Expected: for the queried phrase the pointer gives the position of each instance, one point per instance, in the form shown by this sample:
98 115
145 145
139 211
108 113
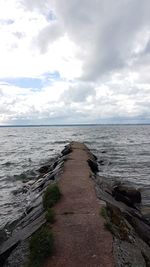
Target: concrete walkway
80 237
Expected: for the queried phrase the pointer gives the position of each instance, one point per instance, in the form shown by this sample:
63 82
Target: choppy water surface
123 151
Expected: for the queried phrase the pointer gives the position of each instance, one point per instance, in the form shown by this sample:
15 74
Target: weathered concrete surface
80 237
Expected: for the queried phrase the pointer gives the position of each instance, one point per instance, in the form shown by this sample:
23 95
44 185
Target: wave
8 163
25 176
61 142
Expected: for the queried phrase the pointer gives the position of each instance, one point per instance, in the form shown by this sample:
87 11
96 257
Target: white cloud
100 50
30 34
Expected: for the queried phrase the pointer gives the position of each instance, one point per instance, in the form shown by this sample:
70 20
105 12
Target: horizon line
76 124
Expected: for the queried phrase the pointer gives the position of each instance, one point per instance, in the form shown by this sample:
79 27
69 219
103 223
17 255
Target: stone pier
81 239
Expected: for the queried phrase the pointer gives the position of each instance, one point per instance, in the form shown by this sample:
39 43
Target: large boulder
128 195
44 169
93 165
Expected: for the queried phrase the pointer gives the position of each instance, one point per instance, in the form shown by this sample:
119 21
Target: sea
123 152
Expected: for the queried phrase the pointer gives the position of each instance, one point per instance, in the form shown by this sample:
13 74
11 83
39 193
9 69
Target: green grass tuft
51 196
104 213
50 215
41 246
108 225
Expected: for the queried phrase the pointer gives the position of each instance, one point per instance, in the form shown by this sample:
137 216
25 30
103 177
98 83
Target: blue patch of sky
33 83
51 77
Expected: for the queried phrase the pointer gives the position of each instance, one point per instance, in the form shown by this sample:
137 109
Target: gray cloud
113 41
78 93
48 35
41 6
6 21
107 31
19 35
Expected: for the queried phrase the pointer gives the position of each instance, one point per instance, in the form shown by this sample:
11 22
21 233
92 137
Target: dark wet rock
101 162
127 254
17 191
120 225
49 176
33 216
130 228
25 189
3 236
62 159
30 217
129 196
58 168
19 255
140 227
55 164
67 150
5 254
39 185
29 183
37 201
44 169
93 165
94 157
18 236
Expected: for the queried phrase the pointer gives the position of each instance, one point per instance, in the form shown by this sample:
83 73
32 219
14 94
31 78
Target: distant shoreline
73 125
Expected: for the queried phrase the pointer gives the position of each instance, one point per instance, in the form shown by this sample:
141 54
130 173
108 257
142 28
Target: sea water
123 153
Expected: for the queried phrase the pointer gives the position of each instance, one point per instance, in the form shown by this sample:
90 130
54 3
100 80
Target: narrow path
80 237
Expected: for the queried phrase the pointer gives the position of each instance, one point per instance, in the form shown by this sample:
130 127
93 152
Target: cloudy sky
76 61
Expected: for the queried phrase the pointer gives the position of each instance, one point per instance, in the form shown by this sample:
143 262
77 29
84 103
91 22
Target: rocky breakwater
124 219
14 248
121 209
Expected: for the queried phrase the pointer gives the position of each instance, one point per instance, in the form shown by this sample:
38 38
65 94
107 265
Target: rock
94 157
103 152
129 196
34 215
18 236
37 201
127 254
44 169
19 256
142 229
31 216
131 229
25 189
7 252
55 164
67 150
102 162
93 165
17 191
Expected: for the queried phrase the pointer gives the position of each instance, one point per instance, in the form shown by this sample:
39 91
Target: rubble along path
80 237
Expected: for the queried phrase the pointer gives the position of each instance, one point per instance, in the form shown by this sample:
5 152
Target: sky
76 61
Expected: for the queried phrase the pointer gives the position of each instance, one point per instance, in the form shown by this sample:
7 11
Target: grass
51 196
42 242
50 215
41 246
104 213
108 225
